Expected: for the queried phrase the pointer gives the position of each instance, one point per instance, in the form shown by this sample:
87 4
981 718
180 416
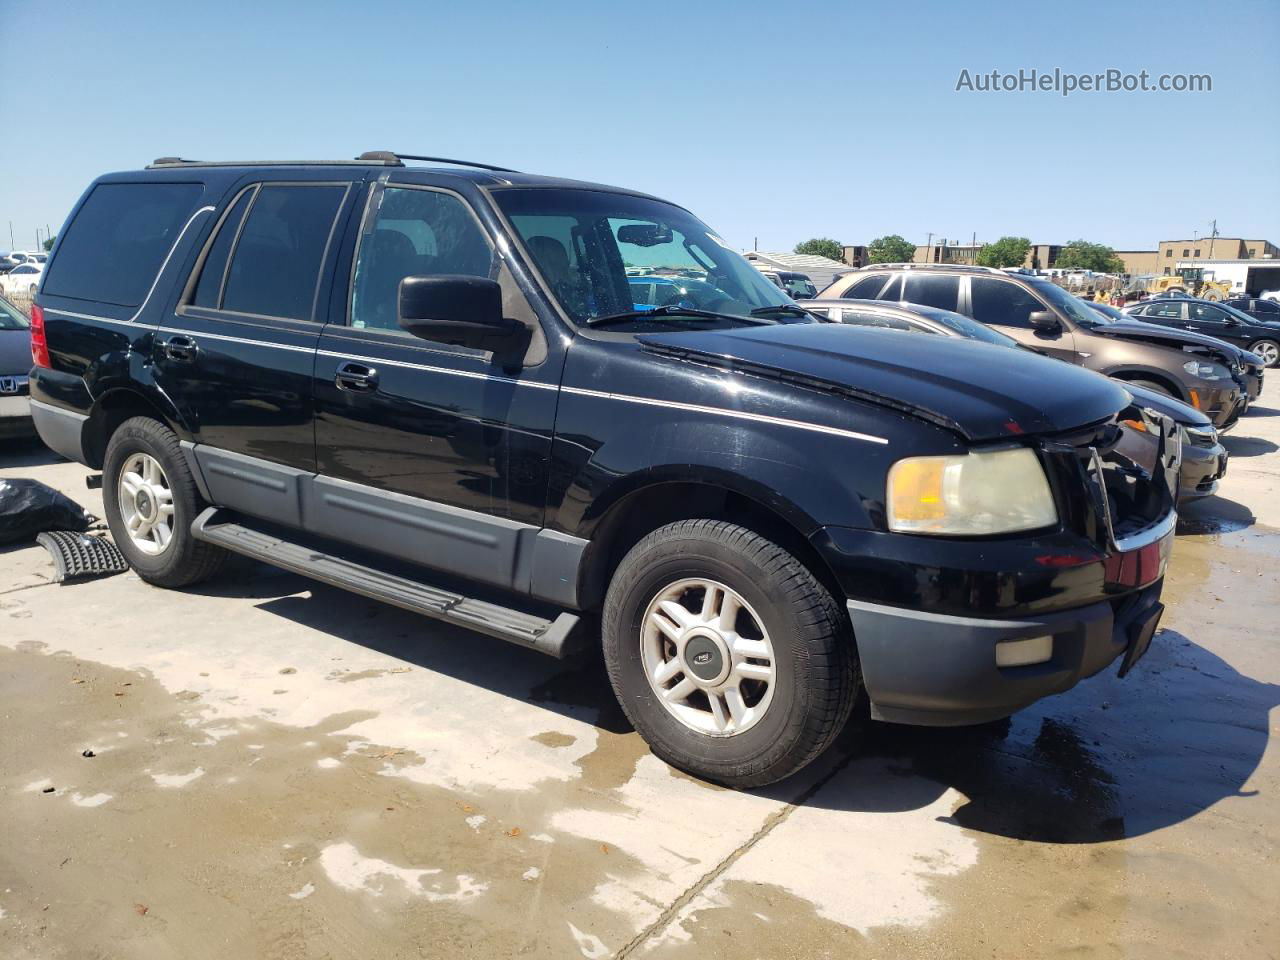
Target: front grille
1201 436
1123 498
14 386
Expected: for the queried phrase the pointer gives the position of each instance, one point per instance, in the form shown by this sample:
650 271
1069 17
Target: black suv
431 386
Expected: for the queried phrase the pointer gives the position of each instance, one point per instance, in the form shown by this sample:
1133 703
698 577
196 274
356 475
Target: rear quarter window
114 247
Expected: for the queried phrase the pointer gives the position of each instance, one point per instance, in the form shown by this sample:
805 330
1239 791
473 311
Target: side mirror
1045 321
460 310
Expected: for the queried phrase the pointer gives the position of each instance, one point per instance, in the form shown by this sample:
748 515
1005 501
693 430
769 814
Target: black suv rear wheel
151 500
730 658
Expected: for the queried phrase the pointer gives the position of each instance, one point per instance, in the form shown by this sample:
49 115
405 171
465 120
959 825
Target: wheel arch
661 500
114 407
1153 374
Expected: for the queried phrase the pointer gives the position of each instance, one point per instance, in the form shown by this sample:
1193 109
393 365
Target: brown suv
1044 317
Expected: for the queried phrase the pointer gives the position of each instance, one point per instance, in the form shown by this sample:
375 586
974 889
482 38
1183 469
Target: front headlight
974 494
1206 371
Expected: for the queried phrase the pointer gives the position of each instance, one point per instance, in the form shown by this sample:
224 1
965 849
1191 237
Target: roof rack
379 157
387 156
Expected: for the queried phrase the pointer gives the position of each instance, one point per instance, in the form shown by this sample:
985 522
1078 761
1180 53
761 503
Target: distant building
1139 261
1212 248
959 253
821 270
855 255
1042 256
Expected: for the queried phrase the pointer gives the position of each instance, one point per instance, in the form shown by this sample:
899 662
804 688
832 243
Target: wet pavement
280 769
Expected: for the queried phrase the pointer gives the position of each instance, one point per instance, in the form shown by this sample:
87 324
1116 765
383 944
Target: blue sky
776 121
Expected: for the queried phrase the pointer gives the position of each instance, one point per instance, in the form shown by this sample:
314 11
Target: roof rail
164 162
388 156
940 266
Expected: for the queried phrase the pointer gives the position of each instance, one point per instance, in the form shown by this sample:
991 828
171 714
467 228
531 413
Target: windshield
603 254
1073 307
1242 316
10 318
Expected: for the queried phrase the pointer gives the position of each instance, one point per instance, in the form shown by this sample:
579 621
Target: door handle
181 349
356 376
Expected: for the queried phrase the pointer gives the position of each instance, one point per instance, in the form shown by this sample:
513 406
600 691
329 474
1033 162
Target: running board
552 637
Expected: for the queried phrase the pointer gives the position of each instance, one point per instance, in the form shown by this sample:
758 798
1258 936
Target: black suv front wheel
729 657
151 500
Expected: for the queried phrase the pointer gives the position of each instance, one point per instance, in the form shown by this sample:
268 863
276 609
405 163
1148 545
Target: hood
15 352
1167 336
981 391
1181 413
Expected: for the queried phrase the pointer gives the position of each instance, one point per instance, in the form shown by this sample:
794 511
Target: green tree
890 249
1005 252
1083 255
48 242
822 247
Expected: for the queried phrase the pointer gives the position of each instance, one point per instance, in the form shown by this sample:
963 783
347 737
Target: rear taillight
39 345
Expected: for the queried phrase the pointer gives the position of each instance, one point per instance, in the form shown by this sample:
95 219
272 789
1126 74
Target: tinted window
933 290
1165 311
276 263
415 233
113 248
1204 312
1268 307
893 291
866 288
1002 303
215 264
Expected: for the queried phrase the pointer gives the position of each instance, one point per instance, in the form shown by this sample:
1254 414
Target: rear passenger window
893 291
931 290
209 288
415 233
866 288
120 236
276 262
1002 303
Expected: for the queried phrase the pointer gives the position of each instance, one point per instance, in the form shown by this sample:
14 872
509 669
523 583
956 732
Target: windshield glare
603 253
968 327
10 318
1073 307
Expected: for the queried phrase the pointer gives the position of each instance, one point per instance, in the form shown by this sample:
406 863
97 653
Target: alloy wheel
708 657
146 503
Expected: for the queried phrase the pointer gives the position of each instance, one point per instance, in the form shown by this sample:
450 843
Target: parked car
1204 459
1247 368
23 279
1268 310
1043 316
797 285
1259 337
15 362
431 386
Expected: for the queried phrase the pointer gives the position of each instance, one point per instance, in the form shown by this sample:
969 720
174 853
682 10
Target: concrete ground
280 769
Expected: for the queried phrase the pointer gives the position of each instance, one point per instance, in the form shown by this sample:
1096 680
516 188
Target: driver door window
414 233
1001 303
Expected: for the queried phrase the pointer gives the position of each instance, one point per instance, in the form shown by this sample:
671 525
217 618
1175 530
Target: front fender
808 478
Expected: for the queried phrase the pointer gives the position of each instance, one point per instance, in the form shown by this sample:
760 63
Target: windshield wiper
784 309
671 310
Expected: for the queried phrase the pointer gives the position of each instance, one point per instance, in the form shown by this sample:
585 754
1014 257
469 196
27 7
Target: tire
1270 351
814 670
182 560
1156 386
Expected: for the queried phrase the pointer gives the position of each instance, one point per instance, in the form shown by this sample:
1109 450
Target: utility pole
928 248
1212 236
10 234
